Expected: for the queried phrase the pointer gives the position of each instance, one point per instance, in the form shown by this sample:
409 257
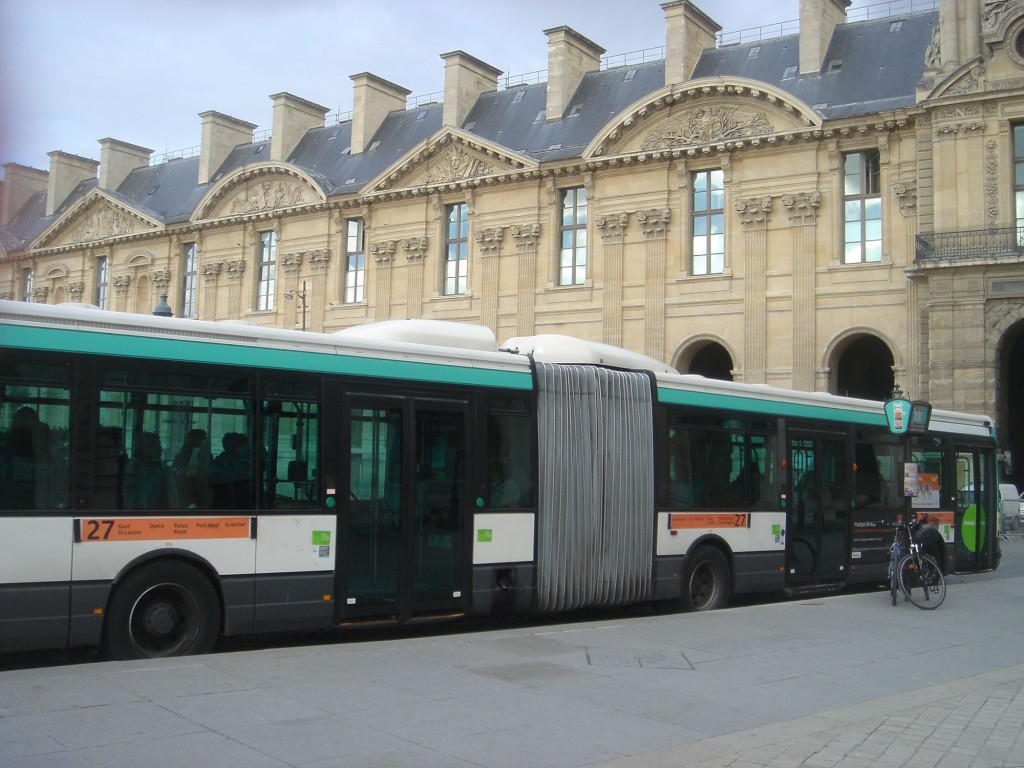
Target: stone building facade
834 210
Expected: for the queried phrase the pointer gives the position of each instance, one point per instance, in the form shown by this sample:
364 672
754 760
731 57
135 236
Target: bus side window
291 459
509 460
34 453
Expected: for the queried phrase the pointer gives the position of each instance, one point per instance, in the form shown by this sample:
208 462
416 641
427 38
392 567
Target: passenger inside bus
231 473
28 467
191 467
148 483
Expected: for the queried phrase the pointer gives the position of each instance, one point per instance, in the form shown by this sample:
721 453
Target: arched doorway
1010 429
864 368
712 361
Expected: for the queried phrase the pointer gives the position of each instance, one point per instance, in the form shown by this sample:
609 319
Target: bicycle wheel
921 581
894 580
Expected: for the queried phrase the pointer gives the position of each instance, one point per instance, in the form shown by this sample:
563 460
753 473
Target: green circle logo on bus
972 528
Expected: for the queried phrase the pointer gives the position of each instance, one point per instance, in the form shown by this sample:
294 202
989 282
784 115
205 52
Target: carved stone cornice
525 235
802 207
291 263
318 259
74 290
161 278
123 282
654 222
415 247
612 225
211 271
384 252
234 269
754 210
489 239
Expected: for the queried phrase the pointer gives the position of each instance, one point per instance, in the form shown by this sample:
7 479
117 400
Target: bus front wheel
164 609
707 583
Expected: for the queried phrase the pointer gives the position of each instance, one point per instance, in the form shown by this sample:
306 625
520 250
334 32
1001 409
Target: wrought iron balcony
971 244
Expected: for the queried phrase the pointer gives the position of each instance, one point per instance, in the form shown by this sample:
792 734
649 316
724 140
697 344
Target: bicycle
911 571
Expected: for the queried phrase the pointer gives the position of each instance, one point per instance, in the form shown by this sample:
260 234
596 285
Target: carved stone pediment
703 112
451 157
258 191
94 219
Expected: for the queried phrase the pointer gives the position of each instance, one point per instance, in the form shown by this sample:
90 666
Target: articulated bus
164 482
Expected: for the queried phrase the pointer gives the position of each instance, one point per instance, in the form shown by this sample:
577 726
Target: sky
73 72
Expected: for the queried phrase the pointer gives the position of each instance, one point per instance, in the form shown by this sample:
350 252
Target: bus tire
164 609
707 584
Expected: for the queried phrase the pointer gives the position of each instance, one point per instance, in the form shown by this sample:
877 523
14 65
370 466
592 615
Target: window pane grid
862 208
708 255
267 272
572 262
355 262
102 281
456 259
190 267
1018 180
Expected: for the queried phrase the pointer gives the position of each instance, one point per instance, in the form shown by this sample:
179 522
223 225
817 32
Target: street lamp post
301 296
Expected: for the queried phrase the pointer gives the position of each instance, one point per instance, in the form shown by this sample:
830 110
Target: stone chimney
221 134
465 78
292 118
570 57
67 171
373 99
118 159
688 32
818 18
20 183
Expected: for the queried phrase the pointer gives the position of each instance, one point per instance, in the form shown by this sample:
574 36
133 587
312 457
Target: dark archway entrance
865 369
1010 430
713 362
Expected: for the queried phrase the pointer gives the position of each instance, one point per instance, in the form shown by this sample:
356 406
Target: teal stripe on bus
737 402
186 350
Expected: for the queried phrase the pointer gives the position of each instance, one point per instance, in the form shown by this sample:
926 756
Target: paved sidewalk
846 681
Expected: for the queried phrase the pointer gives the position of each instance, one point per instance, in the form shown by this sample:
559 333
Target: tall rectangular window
1018 181
102 281
862 208
708 223
267 272
26 285
572 264
189 271
355 262
456 249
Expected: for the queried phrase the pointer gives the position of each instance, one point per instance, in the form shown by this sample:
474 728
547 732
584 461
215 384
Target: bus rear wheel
707 583
165 609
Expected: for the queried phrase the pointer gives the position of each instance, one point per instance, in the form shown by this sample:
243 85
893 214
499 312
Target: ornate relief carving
997 313
266 196
318 259
612 225
210 271
74 290
906 192
992 181
992 15
654 222
121 284
234 268
415 247
525 235
103 221
802 207
160 278
754 210
291 263
383 252
39 293
455 164
6 296
705 125
933 54
969 82
489 240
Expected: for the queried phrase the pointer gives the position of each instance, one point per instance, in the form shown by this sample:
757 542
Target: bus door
403 512
818 512
977 509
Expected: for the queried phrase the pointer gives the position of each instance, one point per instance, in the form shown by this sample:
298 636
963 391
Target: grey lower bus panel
595 532
40 616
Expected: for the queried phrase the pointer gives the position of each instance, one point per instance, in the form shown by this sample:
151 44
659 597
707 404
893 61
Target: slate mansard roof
869 67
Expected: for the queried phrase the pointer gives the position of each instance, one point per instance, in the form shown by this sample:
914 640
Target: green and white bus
164 482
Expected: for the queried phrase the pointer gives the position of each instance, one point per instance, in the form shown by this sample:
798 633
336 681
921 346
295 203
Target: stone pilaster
318 261
488 242
415 258
802 208
526 237
753 214
210 273
383 255
654 225
613 236
234 272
